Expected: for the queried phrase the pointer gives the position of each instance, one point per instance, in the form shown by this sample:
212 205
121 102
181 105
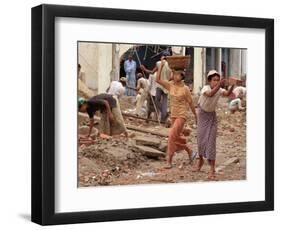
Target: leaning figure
112 122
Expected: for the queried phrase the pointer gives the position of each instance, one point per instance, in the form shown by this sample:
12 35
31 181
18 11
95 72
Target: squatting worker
112 122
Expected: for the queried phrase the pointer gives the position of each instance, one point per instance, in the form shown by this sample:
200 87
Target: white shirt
143 84
117 89
209 104
240 91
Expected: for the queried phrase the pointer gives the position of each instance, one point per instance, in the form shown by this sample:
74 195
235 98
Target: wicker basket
235 81
178 62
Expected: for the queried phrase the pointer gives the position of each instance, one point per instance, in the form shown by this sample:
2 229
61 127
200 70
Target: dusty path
116 161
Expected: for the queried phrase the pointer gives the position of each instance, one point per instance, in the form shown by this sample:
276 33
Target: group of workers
165 84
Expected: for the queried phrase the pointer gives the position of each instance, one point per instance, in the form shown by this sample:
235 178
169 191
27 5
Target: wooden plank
149 152
137 117
143 130
147 141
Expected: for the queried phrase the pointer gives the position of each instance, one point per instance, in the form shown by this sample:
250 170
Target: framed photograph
145 114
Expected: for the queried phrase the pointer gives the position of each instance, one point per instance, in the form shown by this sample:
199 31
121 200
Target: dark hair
80 105
182 75
181 72
210 77
124 83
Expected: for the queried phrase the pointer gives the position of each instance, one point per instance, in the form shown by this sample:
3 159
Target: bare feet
212 176
199 165
168 166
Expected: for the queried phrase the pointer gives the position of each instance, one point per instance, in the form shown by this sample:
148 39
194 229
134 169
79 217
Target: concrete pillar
213 58
243 62
218 60
104 66
199 67
226 60
115 72
235 63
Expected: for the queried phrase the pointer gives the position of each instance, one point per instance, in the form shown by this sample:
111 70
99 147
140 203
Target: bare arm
108 110
91 126
165 84
147 70
139 85
191 104
227 93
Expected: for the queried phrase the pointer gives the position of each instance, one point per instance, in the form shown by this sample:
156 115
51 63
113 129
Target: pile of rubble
105 160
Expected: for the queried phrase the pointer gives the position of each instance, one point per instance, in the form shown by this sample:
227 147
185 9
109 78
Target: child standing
207 120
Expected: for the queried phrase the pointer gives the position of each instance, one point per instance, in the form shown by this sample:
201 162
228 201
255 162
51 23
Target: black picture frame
43 114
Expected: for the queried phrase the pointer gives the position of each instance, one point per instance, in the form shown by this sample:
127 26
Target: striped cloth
206 134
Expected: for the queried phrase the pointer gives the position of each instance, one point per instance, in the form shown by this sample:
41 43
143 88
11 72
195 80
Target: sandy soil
116 161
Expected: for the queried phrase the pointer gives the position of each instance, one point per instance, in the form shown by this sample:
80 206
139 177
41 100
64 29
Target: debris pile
105 160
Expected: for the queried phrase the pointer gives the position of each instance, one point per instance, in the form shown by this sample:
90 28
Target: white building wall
199 69
104 66
87 57
96 62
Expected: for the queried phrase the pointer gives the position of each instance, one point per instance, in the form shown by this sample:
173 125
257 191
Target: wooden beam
143 130
137 117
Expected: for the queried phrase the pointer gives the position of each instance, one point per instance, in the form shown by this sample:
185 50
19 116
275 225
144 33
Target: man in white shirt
143 90
117 88
151 105
235 102
161 97
240 91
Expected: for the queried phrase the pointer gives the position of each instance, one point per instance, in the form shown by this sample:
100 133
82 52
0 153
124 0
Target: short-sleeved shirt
179 95
209 104
117 89
97 103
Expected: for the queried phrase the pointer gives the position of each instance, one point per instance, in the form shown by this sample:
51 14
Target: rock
147 141
231 129
82 118
149 152
84 130
227 163
131 135
163 146
117 153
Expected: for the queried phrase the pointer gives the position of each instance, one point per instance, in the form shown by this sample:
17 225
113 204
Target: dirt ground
141 158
